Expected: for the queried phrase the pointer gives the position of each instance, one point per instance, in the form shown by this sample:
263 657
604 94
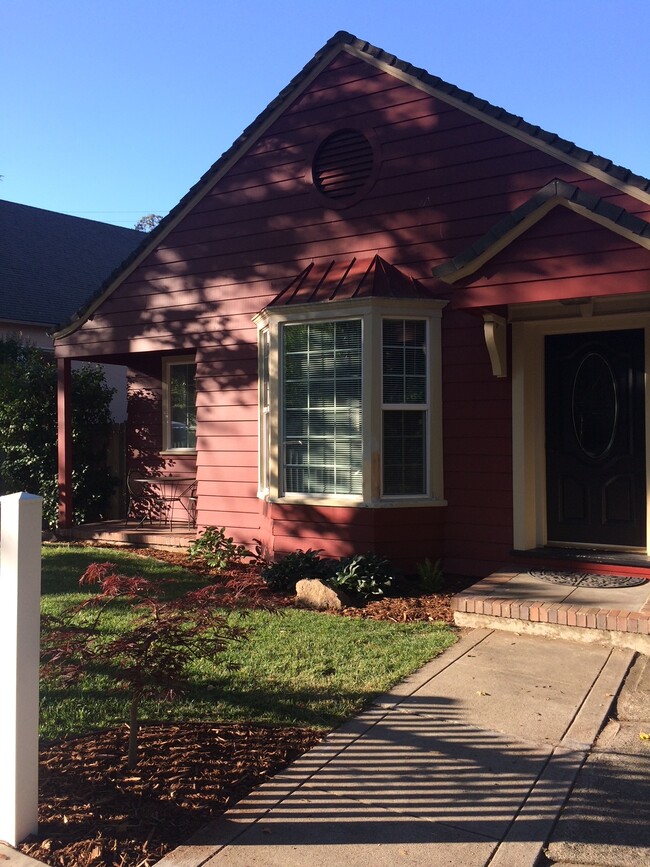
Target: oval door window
594 405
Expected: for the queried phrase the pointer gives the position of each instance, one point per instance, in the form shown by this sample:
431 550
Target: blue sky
114 109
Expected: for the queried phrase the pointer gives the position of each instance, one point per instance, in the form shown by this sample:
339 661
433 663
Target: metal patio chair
173 490
142 499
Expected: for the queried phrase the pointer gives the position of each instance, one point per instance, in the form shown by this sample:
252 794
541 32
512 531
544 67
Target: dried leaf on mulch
95 813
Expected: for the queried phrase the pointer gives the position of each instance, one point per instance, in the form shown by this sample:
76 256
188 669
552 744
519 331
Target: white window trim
264 380
168 363
410 407
371 312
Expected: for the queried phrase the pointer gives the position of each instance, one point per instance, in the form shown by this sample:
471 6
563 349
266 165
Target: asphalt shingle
51 264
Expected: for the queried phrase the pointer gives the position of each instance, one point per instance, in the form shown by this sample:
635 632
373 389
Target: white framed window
405 407
350 403
179 404
321 408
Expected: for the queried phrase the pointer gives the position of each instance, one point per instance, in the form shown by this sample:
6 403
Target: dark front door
595 438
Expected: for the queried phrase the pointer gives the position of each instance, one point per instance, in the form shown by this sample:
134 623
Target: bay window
350 403
322 408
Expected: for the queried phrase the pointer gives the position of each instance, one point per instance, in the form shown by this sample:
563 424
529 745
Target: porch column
64 412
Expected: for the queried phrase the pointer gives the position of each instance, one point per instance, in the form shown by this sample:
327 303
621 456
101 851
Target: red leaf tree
152 657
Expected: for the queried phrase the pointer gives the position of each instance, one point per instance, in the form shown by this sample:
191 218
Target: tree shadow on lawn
213 701
63 566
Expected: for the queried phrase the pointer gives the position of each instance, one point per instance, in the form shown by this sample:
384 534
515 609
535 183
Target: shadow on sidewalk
414 777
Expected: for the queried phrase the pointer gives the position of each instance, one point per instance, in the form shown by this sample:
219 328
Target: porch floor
561 603
119 533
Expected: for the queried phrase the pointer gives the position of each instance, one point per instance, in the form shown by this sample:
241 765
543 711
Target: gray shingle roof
51 264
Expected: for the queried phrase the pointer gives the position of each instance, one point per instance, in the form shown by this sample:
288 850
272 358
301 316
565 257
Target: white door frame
528 415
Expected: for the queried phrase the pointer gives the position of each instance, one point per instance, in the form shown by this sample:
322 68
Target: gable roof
562 149
51 263
514 224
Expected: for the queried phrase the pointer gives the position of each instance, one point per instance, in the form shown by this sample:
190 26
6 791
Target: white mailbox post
20 594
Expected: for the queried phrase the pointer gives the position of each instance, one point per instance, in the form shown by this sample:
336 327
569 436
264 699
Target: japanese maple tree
152 657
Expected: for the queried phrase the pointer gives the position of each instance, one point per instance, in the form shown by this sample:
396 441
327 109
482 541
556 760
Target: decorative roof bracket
495 333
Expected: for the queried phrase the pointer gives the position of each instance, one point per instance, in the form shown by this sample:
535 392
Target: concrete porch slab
519 601
118 533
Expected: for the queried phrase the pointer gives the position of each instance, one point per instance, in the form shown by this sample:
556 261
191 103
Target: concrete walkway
467 762
607 818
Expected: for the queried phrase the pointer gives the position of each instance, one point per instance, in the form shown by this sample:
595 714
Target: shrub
431 575
28 431
285 573
218 550
362 575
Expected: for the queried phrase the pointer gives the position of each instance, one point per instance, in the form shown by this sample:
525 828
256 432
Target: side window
404 407
179 432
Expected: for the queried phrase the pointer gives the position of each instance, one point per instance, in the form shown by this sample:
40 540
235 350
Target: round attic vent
343 164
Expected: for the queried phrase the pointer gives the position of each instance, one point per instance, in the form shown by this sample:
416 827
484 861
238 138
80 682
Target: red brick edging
555 612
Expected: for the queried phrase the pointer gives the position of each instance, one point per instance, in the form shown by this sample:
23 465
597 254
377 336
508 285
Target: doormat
587 579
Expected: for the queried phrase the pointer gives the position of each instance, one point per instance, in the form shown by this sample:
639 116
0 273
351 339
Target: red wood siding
405 536
564 255
477 448
444 179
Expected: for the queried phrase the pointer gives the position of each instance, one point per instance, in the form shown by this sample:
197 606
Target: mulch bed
95 813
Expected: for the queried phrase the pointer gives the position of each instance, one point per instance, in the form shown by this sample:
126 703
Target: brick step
519 601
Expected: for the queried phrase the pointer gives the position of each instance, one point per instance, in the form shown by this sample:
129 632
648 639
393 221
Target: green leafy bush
285 573
362 575
218 550
28 431
431 575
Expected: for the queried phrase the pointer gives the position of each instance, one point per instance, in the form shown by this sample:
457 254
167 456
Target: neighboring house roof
551 143
51 264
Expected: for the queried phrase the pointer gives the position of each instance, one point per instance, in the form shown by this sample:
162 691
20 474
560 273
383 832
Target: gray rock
312 593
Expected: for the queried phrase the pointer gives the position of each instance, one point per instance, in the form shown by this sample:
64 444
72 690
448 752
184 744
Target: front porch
602 603
119 533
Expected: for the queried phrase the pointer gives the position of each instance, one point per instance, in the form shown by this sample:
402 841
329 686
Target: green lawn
295 667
